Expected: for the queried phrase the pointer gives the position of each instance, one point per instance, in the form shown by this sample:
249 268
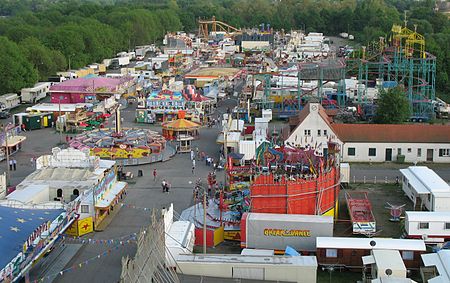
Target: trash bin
140 173
400 158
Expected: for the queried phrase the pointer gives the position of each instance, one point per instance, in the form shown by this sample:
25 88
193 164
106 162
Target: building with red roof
369 142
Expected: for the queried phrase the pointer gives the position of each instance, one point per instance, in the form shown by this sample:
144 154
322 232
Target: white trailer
425 188
277 231
123 61
36 93
9 101
432 227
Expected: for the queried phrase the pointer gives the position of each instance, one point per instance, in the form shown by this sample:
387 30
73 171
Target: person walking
155 174
164 185
192 154
167 187
193 166
15 164
10 165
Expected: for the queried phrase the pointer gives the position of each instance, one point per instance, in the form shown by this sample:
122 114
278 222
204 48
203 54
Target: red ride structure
296 181
314 195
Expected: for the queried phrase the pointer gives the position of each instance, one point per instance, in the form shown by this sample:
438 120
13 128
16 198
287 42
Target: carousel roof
181 124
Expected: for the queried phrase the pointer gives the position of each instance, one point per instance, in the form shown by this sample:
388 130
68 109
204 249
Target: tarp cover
16 225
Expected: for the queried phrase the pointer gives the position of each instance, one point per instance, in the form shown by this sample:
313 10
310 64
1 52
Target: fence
149 263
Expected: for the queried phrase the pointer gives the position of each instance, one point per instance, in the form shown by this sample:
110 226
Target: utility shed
301 269
425 188
385 263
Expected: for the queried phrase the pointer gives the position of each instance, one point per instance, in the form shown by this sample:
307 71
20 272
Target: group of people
12 164
165 186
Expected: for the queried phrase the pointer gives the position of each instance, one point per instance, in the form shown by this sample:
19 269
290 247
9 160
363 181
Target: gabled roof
394 133
298 120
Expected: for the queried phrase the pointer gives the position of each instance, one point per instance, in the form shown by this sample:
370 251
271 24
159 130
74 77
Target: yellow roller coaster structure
410 40
203 28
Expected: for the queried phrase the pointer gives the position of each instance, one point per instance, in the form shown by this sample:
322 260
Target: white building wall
409 150
441 202
313 123
274 272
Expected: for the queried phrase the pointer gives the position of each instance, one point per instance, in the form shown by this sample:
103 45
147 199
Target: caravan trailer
36 93
432 227
9 101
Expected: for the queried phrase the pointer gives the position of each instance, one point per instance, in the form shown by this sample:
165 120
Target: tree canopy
16 71
393 107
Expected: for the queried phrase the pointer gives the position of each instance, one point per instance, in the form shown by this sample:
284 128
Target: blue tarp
291 251
16 225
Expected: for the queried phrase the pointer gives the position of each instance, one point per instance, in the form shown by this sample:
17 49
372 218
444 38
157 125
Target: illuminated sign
287 233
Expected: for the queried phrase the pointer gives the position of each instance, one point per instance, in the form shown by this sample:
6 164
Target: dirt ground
379 195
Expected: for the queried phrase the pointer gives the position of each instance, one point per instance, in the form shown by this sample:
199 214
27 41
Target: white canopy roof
364 243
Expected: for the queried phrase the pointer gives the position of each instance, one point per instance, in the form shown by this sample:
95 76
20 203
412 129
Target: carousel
127 146
182 131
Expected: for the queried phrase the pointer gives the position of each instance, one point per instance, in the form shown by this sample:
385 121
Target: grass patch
337 276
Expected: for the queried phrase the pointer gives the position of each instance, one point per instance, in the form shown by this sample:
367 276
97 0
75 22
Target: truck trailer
277 231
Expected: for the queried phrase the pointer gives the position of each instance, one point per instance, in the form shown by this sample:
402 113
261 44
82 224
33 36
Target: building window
319 132
351 151
399 151
444 152
419 152
325 132
307 132
84 208
331 253
409 150
424 225
447 225
407 255
372 152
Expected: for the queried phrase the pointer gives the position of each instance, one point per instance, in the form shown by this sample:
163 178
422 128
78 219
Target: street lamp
5 133
69 60
60 120
197 189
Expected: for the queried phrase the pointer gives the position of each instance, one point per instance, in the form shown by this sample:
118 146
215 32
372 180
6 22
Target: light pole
69 61
5 132
60 119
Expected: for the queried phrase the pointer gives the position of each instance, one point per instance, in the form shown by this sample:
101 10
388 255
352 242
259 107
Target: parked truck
277 231
441 108
118 62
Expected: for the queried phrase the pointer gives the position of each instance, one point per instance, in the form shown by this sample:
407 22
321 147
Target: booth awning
110 195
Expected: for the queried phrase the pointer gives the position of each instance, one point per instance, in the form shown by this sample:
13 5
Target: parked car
4 114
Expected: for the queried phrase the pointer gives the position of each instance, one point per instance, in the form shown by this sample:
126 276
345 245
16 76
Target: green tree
46 61
15 71
393 107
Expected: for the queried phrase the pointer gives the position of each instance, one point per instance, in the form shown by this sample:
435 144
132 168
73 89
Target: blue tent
16 225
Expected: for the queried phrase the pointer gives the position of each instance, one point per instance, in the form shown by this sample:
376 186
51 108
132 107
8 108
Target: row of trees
37 44
49 32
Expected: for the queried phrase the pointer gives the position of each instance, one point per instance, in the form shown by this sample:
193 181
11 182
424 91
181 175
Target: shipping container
277 231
